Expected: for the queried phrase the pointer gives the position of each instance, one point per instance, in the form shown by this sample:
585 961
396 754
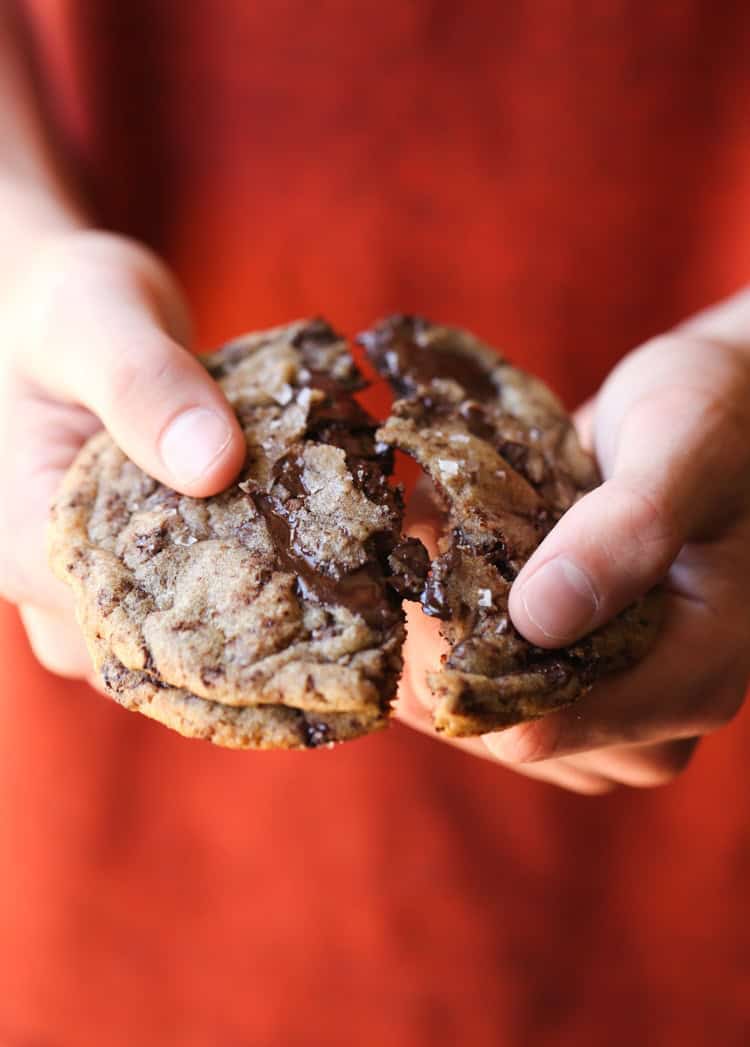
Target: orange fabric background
565 178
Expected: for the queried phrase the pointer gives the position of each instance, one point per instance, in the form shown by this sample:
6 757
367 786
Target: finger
671 435
584 423
638 766
728 322
412 712
56 642
104 341
422 652
690 684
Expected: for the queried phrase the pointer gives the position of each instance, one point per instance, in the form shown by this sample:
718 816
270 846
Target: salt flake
448 467
284 395
190 540
485 598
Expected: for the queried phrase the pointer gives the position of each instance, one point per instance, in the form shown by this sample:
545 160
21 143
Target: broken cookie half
268 616
505 462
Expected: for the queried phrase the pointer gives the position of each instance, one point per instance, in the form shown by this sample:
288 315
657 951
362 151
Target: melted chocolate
397 350
342 422
313 342
477 422
362 459
316 733
288 470
341 410
435 597
317 334
525 460
362 591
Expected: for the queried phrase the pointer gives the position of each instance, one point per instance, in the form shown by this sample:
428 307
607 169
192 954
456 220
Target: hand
671 430
92 333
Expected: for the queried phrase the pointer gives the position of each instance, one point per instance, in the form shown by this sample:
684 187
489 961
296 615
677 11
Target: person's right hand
92 333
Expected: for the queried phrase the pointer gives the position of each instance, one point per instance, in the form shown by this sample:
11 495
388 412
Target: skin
94 331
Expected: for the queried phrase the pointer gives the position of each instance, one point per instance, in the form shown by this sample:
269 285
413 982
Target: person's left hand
671 430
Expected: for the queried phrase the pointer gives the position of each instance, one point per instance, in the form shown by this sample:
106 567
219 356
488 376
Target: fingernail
560 599
193 442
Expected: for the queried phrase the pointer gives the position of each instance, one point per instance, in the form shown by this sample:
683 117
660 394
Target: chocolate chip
476 418
316 733
210 674
409 563
525 460
361 591
401 352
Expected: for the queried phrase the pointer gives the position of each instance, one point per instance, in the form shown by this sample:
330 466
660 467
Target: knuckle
650 525
529 742
662 763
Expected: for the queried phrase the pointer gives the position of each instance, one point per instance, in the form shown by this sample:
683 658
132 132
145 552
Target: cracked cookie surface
272 605
506 463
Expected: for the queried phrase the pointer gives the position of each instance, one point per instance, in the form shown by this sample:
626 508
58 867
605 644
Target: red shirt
566 179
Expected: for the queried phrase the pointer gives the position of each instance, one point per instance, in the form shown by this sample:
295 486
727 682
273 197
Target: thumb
669 436
107 332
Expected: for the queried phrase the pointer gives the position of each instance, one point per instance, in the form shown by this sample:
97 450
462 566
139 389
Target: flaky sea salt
303 397
448 467
485 598
284 395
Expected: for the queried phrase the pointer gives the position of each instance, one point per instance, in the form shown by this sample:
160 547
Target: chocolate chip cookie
268 616
506 463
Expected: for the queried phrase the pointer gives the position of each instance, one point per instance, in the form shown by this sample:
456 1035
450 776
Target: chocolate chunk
287 471
403 350
477 420
526 460
316 733
409 563
326 369
362 591
342 422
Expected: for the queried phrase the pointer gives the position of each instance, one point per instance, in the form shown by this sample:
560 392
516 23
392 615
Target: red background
565 178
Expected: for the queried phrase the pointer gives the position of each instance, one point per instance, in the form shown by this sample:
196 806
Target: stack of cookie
270 616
